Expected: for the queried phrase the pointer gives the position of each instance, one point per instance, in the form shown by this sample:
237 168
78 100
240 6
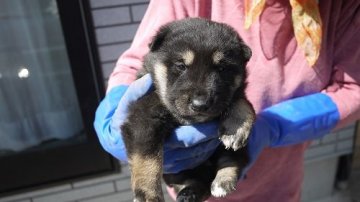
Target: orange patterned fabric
306 23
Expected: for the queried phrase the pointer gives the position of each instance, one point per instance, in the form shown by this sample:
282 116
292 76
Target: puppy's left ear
246 52
159 38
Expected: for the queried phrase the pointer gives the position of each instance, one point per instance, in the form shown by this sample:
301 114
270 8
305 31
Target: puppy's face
197 66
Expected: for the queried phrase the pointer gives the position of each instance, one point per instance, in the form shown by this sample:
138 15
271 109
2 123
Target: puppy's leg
235 127
229 165
144 153
146 178
144 133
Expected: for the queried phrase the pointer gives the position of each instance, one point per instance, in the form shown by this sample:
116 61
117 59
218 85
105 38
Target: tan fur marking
146 175
217 57
161 80
188 57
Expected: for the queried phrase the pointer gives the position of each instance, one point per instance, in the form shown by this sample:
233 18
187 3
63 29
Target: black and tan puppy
198 68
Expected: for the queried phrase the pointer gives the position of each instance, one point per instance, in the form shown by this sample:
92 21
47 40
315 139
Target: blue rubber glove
290 122
189 146
112 112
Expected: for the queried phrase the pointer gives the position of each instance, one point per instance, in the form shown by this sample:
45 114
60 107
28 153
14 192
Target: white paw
237 140
218 191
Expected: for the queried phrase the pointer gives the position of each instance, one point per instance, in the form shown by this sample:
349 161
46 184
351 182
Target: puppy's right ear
247 52
159 38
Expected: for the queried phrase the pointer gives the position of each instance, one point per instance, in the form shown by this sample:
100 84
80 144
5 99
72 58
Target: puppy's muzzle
201 103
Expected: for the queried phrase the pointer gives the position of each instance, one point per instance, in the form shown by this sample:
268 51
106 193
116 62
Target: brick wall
116 22
111 188
334 144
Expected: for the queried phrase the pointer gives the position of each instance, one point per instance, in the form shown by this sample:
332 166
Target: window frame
31 170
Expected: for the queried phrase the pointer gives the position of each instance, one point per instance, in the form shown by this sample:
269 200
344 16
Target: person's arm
344 88
313 116
343 91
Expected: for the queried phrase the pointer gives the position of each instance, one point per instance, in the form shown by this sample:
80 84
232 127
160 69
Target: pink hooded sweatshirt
277 71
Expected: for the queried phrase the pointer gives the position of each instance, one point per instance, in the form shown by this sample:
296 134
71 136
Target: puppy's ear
159 38
246 52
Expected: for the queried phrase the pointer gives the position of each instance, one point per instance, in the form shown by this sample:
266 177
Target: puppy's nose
200 103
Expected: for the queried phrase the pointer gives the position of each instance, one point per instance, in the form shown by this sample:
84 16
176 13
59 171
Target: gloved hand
189 146
289 122
112 112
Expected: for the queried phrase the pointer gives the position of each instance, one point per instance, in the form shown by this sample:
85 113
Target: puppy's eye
180 66
221 68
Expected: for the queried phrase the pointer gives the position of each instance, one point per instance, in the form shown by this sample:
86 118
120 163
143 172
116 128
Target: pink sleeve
344 89
159 12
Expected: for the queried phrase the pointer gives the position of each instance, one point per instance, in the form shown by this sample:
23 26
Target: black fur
200 91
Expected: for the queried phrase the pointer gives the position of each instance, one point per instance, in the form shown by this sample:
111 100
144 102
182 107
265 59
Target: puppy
199 72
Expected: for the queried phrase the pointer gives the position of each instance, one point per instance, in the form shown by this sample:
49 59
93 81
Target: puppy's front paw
223 186
235 128
235 137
